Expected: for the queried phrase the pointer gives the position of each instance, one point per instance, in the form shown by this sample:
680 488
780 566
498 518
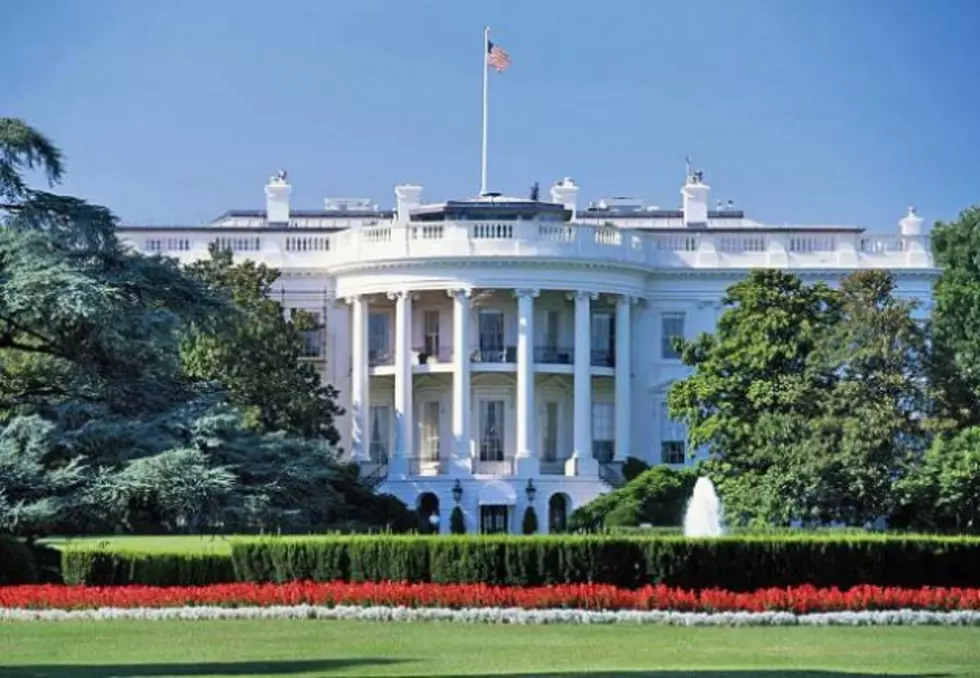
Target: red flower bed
800 600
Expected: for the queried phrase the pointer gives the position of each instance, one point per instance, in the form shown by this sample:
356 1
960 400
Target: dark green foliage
811 401
633 467
16 562
657 497
738 564
457 521
955 321
942 494
255 354
529 525
103 567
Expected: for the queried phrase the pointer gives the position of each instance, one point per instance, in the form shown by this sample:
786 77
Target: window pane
431 323
550 452
671 326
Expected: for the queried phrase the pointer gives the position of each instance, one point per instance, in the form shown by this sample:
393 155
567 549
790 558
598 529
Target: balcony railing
552 467
502 467
378 357
507 354
602 357
782 247
554 356
438 354
427 466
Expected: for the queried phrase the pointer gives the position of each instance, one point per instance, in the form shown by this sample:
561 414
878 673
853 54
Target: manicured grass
319 648
150 543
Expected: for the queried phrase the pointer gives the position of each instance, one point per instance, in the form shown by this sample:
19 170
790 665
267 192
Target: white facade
485 345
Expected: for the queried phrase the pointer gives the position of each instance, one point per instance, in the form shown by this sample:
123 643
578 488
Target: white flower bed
507 616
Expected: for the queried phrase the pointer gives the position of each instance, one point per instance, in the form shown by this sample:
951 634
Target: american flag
497 57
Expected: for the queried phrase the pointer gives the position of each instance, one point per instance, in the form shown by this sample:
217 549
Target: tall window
491 430
672 438
552 326
379 336
549 450
380 433
430 320
603 431
430 431
602 331
491 335
313 339
671 327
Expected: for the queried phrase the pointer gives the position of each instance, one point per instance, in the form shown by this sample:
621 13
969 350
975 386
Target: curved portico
498 341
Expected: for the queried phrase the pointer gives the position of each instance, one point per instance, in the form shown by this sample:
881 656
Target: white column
582 462
404 429
360 379
527 459
624 390
461 462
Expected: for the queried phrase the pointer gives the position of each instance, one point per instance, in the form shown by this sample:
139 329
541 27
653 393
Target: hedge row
102 567
736 564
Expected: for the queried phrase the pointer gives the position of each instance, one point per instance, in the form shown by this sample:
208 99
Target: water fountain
704 512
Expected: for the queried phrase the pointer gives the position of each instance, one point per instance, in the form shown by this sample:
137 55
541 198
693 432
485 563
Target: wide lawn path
327 648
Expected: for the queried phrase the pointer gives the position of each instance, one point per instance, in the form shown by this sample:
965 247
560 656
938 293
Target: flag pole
486 90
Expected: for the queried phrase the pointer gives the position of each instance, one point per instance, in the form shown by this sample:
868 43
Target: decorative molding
394 296
582 294
525 292
454 293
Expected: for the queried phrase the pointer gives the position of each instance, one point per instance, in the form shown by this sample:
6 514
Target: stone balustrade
721 249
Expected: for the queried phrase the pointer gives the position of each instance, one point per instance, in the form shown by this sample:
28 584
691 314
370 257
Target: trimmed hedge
16 562
103 567
737 564
732 563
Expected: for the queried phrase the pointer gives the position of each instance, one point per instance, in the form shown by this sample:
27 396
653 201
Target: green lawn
151 543
321 648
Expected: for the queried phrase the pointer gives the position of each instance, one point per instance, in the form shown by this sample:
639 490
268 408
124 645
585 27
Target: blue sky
801 111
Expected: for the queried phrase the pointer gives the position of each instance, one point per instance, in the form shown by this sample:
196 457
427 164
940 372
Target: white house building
495 352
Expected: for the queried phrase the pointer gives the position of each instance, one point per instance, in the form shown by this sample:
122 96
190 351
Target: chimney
695 205
277 199
911 225
407 198
565 192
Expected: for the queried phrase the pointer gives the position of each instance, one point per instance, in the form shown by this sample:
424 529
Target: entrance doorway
493 519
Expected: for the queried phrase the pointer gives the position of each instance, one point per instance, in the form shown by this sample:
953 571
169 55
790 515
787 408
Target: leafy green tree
755 386
872 424
811 401
102 428
943 492
956 318
529 524
255 355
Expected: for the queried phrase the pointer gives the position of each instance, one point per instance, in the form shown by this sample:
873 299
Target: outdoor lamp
531 490
457 491
434 519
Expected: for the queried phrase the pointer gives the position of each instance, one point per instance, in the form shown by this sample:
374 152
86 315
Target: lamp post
457 491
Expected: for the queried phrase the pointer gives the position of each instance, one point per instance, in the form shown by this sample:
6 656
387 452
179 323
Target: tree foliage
657 497
956 318
810 401
104 427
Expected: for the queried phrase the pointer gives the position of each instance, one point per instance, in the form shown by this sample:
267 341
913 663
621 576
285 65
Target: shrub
658 496
633 467
16 562
457 522
530 523
103 567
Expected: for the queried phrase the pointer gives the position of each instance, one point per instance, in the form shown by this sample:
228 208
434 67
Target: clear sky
801 111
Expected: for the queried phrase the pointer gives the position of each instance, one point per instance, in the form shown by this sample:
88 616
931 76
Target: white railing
392 241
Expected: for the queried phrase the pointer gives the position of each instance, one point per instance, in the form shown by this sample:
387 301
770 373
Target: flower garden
575 579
